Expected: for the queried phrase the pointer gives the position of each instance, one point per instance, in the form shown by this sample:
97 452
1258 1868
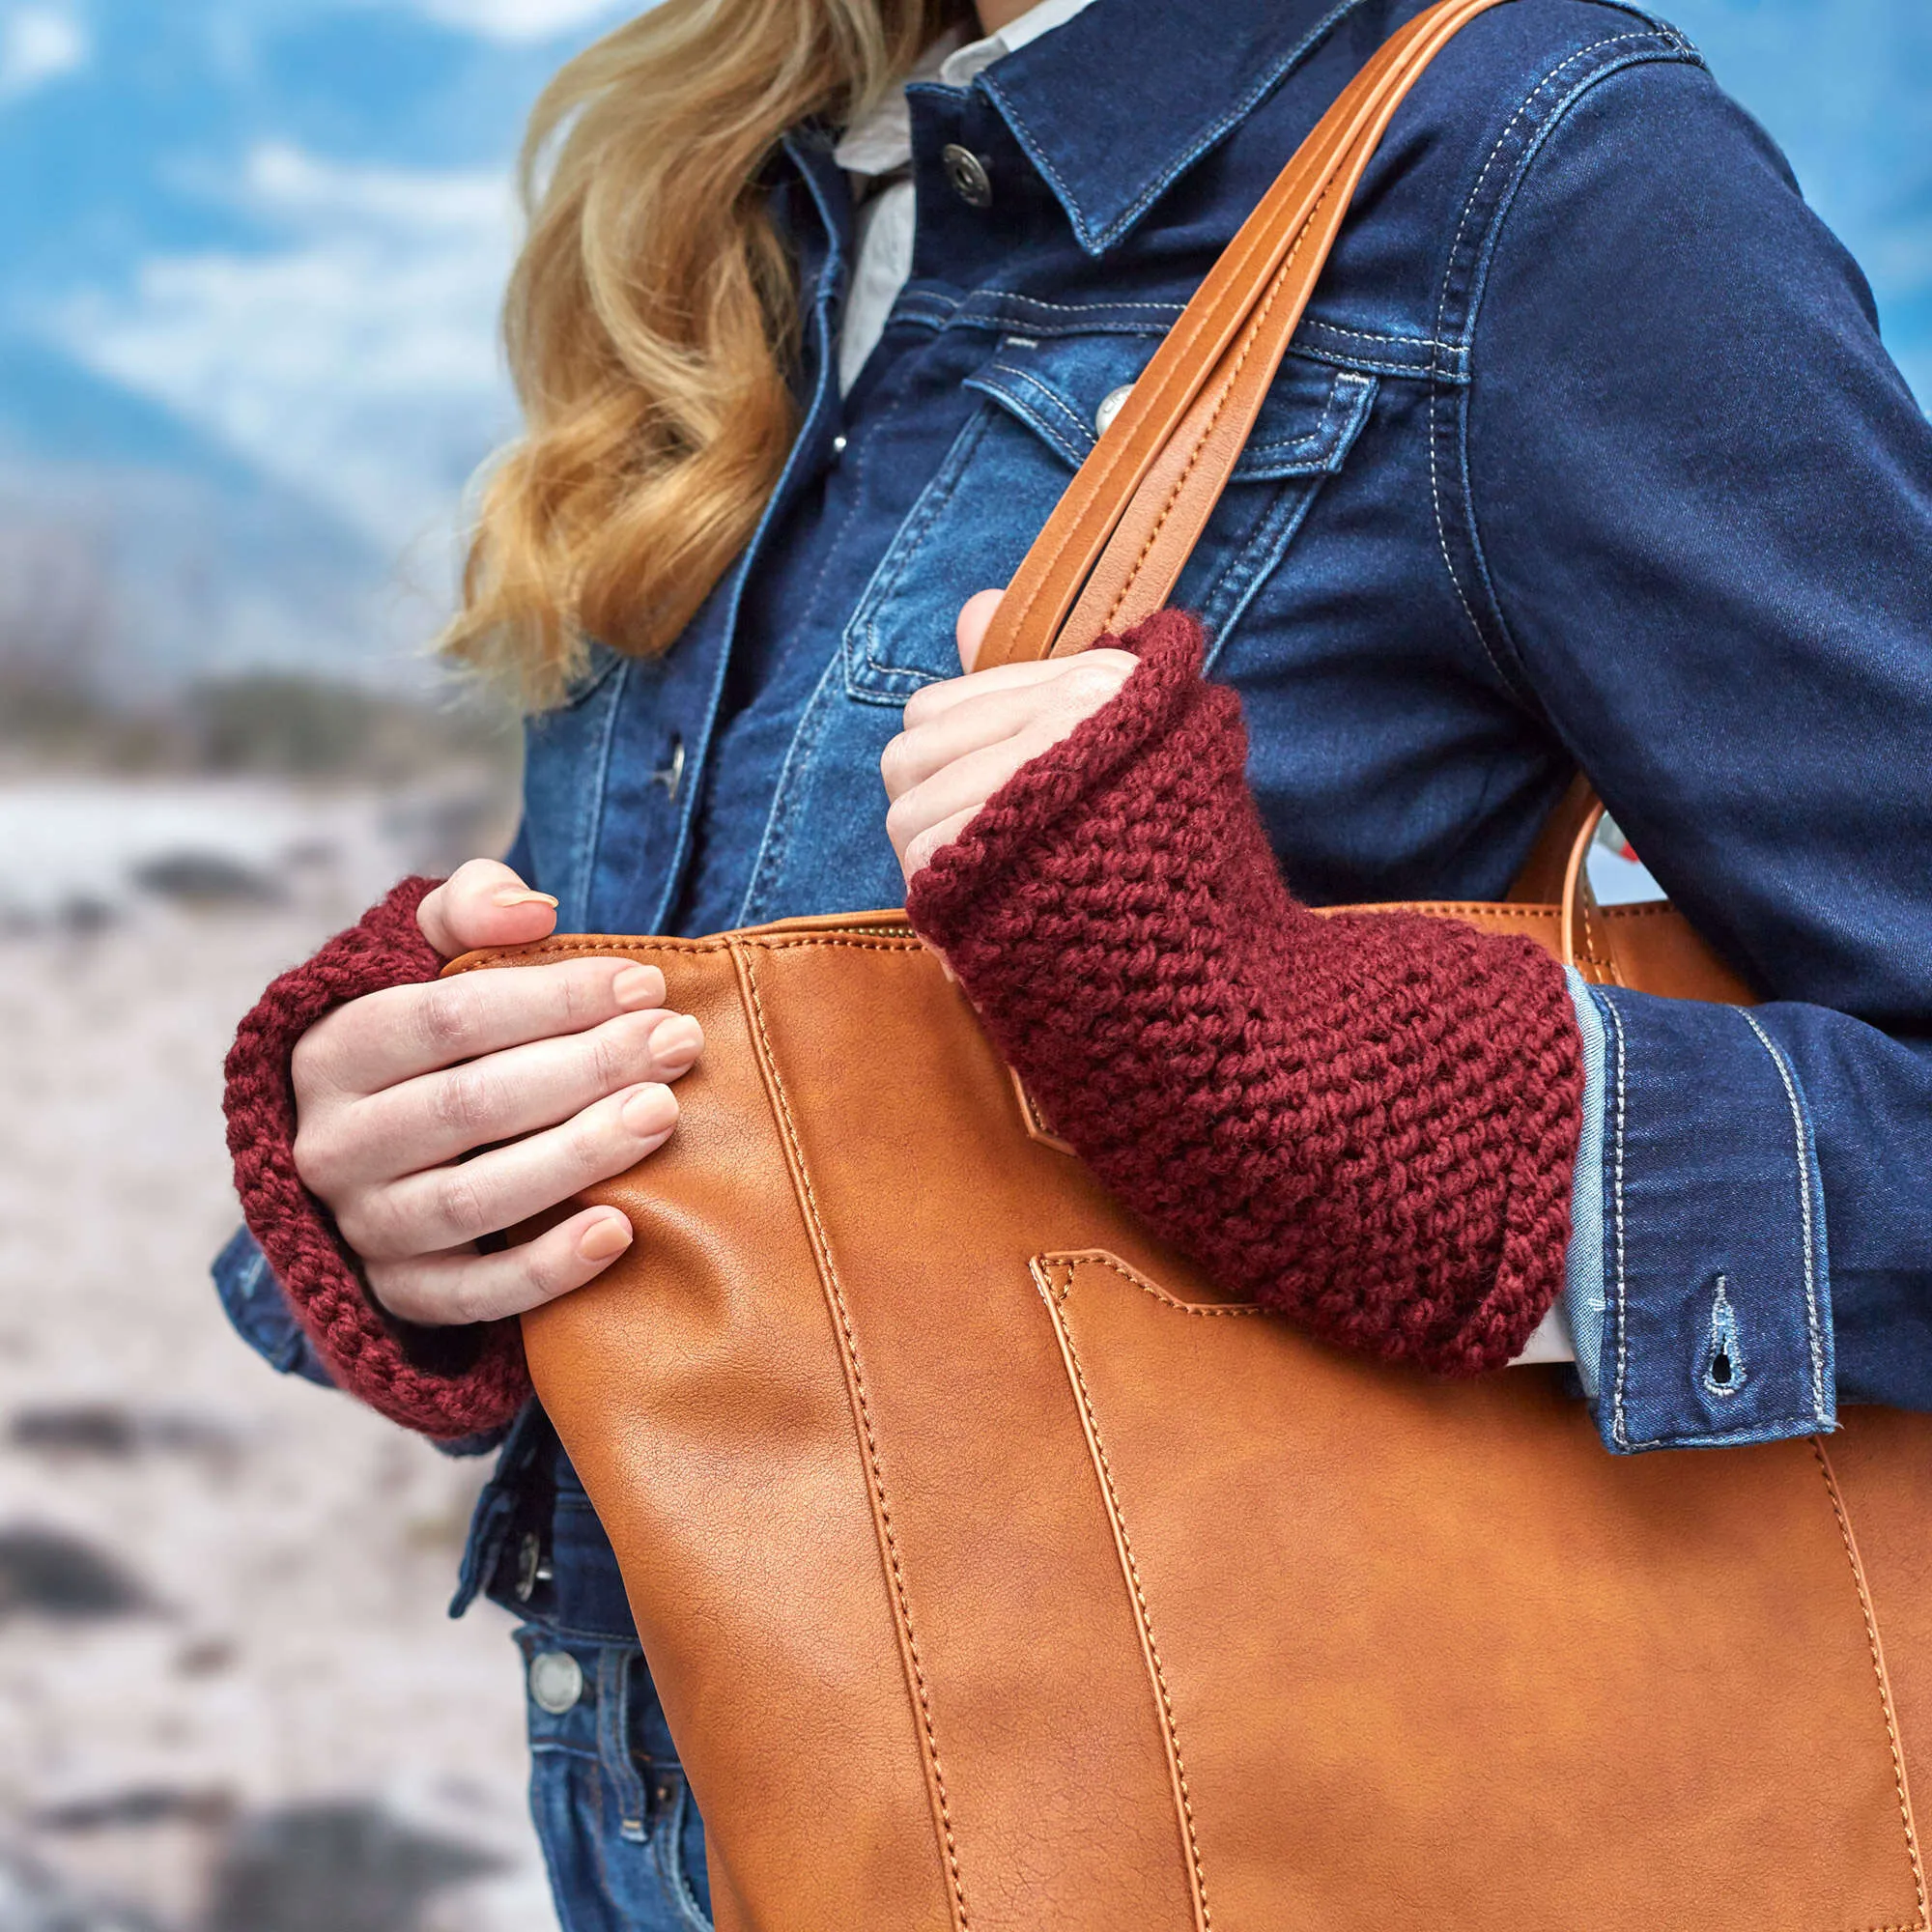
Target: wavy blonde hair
651 319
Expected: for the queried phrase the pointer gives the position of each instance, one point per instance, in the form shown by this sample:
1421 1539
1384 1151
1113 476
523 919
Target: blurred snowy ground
230 1700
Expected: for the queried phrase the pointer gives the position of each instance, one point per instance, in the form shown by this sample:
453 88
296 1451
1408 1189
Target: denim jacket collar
1114 106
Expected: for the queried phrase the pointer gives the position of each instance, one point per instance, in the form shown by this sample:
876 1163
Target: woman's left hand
965 738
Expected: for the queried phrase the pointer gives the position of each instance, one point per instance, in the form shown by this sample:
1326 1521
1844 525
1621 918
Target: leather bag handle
1116 541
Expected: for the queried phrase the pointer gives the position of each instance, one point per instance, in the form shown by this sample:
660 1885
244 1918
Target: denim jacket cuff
259 1312
1697 1287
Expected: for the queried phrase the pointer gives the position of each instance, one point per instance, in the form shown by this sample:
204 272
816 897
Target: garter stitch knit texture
1367 1122
362 1349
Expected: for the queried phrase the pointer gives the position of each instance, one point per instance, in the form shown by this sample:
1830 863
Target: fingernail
603 1241
518 896
650 1110
638 986
677 1042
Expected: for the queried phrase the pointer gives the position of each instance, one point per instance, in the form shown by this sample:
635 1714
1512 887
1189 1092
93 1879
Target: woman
1587 454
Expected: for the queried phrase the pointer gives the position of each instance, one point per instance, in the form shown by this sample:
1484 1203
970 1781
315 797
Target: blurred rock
117 1433
206 879
145 1806
45 1574
336 1869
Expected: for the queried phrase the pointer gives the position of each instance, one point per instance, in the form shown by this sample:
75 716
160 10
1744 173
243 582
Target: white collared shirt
879 143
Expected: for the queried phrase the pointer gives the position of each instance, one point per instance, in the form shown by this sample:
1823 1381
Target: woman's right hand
561 1071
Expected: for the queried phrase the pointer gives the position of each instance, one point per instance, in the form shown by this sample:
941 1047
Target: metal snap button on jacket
1110 407
967 172
556 1681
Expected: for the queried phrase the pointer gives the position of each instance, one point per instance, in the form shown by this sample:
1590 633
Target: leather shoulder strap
1118 539
1112 549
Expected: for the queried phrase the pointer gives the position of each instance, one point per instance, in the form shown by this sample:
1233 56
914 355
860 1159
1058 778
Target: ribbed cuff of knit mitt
1367 1122
366 1352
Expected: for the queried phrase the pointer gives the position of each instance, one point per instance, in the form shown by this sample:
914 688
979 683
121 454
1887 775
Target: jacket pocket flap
1312 416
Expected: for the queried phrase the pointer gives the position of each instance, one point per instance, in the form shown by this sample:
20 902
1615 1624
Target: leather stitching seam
1446 909
1254 331
1657 909
850 1341
1599 958
1919 1925
695 948
1099 1257
1172 1735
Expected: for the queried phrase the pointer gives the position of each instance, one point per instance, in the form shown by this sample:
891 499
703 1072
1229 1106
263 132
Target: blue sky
250 252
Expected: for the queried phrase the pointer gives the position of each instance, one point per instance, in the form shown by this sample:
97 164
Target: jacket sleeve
1369 1121
450 1385
1694 525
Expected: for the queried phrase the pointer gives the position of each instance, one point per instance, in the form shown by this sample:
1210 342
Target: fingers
950 760
437 1117
395 1035
958 791
1085 667
975 614
441 1291
919 849
984 717
946 721
447 1206
484 904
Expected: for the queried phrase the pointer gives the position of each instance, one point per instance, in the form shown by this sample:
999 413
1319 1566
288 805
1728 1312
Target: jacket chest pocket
1035 424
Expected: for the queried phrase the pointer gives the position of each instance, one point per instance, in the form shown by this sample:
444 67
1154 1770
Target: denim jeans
621 1837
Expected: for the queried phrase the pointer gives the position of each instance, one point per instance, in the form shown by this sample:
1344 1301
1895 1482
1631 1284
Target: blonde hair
651 319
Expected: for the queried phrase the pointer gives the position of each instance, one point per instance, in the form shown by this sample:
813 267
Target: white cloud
357 363
39 45
519 20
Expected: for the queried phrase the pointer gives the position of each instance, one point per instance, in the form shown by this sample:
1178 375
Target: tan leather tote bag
1001 1575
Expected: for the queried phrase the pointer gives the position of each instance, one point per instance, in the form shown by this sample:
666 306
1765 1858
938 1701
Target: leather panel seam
1882 1679
1100 1258
1123 1544
876 1481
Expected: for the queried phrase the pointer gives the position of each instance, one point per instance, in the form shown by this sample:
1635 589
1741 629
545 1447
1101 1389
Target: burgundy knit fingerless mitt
1367 1122
366 1352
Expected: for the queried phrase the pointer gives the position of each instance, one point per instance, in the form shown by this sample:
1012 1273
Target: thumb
976 616
484 904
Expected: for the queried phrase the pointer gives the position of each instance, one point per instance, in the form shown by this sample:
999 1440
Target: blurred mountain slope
252 252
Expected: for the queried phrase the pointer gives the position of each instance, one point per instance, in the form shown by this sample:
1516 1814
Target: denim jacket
1587 453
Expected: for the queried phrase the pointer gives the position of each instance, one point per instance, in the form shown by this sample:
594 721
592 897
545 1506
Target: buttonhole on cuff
1724 1357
